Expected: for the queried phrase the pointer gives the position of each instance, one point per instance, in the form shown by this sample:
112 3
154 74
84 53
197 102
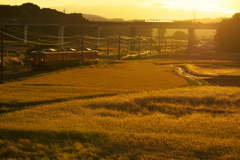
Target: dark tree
228 34
161 33
30 10
180 35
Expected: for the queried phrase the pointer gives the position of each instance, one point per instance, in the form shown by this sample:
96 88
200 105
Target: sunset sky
141 9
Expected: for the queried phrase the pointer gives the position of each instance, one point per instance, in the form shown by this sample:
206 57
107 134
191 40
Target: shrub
12 63
89 61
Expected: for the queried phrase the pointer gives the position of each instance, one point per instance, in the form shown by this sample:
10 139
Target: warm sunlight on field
183 123
230 69
120 80
115 78
121 110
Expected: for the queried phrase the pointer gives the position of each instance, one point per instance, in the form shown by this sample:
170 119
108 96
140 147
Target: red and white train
50 57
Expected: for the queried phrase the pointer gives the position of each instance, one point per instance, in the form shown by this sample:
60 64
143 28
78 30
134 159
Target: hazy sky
141 9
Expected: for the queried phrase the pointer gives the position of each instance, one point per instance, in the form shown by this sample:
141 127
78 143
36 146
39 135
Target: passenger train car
50 57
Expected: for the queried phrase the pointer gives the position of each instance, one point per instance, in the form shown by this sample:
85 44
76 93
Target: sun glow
203 5
143 9
161 4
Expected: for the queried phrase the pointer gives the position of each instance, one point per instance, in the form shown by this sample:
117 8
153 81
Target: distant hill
30 10
92 17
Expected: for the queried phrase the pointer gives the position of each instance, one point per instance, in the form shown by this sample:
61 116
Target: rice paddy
125 110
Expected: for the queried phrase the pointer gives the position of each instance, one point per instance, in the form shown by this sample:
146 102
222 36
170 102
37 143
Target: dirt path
180 71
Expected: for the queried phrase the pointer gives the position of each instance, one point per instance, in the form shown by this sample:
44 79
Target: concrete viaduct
135 24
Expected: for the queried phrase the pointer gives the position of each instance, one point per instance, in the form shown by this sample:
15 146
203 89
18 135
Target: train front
37 59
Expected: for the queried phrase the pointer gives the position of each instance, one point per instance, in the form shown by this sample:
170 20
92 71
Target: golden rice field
143 119
210 70
113 78
182 123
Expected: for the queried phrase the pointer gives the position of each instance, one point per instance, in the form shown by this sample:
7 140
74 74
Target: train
47 58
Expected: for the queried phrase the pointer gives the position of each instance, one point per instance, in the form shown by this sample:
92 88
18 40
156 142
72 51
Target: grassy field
98 80
121 110
212 70
183 123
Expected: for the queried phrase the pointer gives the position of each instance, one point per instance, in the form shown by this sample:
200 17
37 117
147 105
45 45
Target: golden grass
100 79
198 71
211 70
182 123
231 71
156 121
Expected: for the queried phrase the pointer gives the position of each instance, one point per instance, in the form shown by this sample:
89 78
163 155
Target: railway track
18 75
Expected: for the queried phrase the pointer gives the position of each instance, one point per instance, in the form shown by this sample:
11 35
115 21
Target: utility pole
107 45
1 73
165 44
119 47
82 48
194 16
139 45
82 43
159 45
151 46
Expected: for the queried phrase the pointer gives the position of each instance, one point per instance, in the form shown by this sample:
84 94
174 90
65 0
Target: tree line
30 10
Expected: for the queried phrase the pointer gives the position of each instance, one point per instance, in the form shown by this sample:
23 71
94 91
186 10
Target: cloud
203 7
160 4
220 11
217 9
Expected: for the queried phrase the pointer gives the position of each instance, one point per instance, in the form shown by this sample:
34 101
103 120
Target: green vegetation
119 110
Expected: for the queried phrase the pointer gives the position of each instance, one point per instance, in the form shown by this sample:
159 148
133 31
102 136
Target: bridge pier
190 40
25 33
61 36
97 34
